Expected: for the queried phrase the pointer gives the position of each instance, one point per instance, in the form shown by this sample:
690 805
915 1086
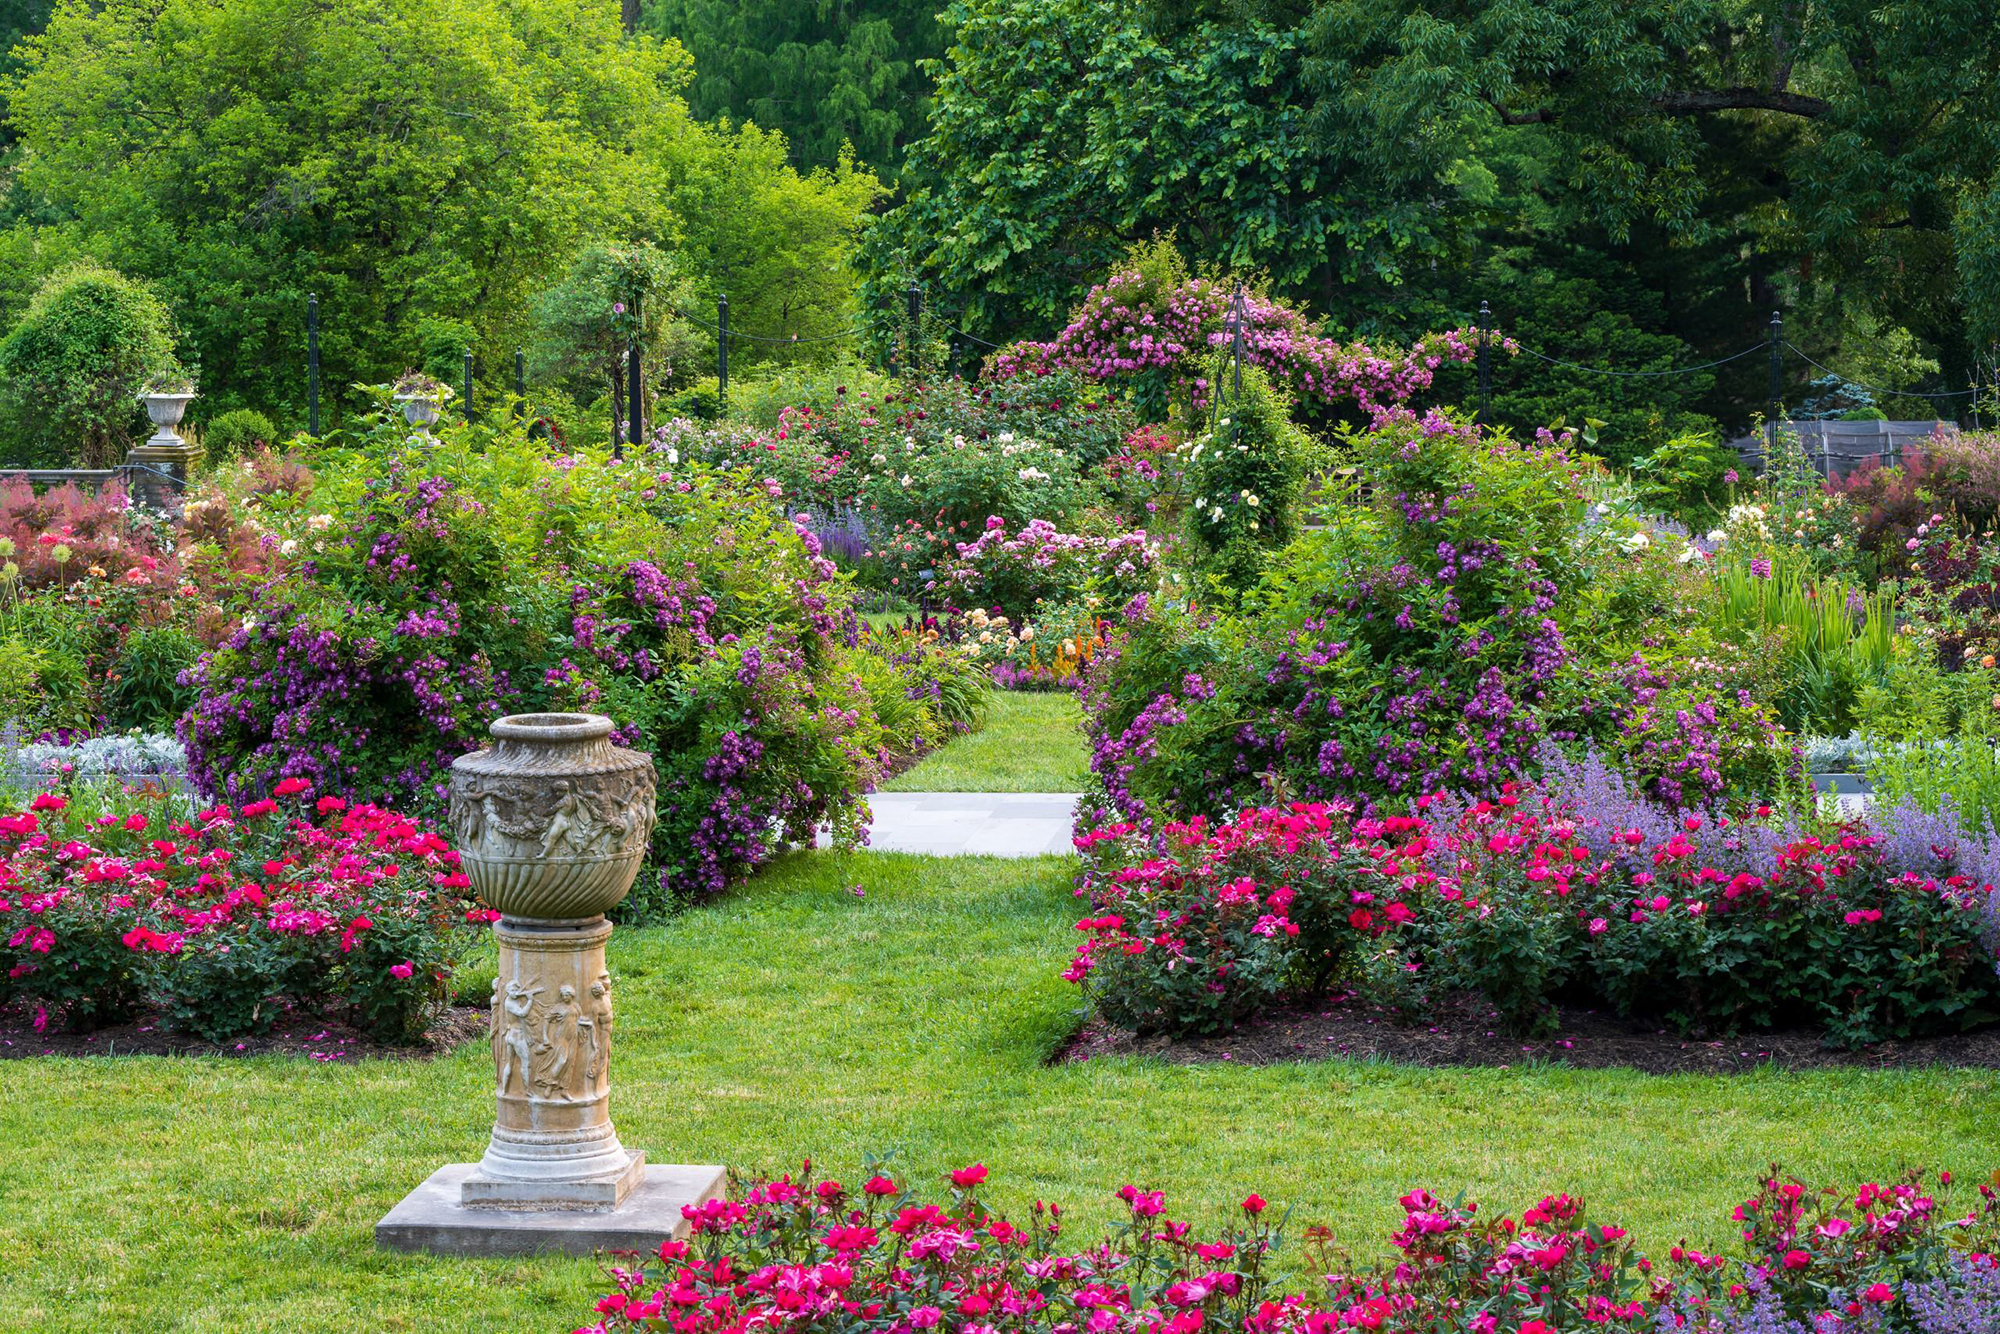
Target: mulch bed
302 1034
1585 1039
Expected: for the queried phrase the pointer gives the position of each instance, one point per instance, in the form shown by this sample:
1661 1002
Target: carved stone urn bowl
551 821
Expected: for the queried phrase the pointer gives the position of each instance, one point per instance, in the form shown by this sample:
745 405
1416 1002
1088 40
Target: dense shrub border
120 900
432 585
805 1254
1579 890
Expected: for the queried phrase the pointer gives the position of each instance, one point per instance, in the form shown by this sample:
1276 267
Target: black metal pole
1236 340
1485 364
1777 386
520 384
312 364
914 297
721 352
635 412
468 386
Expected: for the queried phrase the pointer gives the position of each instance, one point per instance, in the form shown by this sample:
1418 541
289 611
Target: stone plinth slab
430 1218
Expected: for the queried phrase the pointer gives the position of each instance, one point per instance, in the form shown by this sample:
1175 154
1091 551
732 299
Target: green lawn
794 1018
1032 742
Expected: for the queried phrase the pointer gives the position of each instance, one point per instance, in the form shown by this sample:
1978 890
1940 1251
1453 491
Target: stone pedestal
553 1145
158 471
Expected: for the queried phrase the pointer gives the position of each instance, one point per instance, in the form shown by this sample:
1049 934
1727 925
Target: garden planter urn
158 467
420 410
551 822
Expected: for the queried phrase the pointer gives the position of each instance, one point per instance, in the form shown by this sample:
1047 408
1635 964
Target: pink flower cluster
108 911
799 1254
1707 922
1015 570
1128 325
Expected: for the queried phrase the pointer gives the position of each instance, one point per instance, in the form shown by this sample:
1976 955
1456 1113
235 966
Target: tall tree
1860 140
401 158
1064 131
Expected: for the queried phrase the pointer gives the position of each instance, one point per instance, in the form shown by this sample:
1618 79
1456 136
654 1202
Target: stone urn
165 411
421 410
551 822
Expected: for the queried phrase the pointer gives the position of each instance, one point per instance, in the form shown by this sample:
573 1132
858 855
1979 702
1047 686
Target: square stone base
480 1192
430 1218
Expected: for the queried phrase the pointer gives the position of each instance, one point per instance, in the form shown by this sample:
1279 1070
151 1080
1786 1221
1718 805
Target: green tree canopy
821 72
1064 131
779 243
402 158
1846 145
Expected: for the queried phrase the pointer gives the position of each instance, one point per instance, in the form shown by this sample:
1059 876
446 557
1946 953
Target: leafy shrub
42 689
147 688
1900 1258
1247 472
1688 476
237 433
74 365
439 585
700 401
121 901
1560 891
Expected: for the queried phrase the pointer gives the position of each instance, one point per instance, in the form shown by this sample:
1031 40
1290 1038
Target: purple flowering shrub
474 576
1454 612
1412 644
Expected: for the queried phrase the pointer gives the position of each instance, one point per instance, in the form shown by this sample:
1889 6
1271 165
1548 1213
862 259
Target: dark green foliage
236 432
72 368
400 159
1246 473
823 72
145 689
1065 130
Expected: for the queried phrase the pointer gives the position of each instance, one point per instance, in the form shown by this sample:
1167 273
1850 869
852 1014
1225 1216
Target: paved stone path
991 824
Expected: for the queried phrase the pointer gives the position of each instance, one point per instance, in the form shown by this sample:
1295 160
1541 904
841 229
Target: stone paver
988 824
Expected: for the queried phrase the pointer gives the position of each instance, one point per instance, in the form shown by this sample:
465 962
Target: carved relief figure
599 1049
511 1043
567 825
555 1052
467 824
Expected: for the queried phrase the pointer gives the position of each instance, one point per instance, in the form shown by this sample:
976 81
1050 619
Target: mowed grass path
1032 742
794 1018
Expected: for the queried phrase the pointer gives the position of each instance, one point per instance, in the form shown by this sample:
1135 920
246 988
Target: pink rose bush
117 902
800 1254
1696 920
1018 571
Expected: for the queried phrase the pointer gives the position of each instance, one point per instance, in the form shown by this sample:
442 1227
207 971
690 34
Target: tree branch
1700 101
1520 117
